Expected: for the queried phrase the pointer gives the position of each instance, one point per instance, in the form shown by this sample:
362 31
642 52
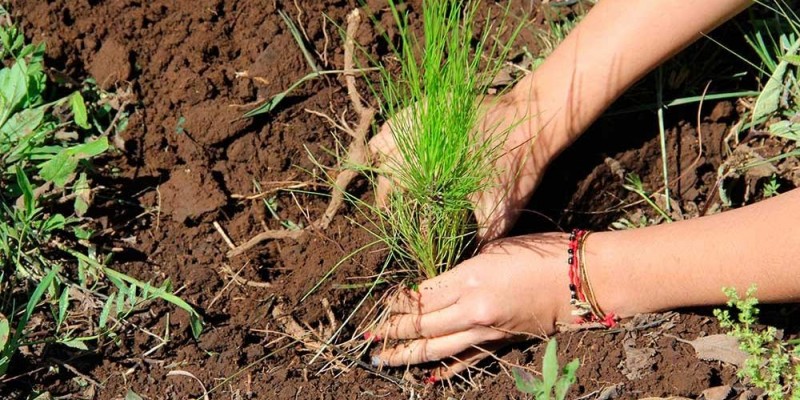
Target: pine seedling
442 159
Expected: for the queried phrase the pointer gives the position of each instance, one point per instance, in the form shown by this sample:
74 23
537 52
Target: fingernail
431 380
376 361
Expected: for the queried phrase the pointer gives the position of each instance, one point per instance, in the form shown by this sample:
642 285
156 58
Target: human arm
520 286
617 43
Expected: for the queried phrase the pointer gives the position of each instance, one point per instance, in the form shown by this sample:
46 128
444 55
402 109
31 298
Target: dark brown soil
188 156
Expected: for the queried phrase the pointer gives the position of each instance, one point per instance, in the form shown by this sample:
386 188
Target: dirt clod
190 194
111 64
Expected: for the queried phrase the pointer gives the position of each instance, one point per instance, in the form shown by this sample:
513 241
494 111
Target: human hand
497 208
513 288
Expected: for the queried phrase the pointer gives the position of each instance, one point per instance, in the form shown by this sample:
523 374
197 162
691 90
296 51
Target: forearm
687 263
617 43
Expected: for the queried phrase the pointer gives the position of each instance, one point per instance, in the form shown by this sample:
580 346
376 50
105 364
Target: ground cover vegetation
555 383
57 288
773 364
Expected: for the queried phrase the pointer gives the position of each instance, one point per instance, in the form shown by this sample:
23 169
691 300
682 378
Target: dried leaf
717 393
718 348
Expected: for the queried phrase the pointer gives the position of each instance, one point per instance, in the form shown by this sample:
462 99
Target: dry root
357 152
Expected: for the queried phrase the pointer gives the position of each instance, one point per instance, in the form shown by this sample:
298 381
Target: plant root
308 337
357 152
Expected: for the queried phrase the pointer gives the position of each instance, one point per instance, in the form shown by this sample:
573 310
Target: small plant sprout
634 184
442 157
772 187
553 384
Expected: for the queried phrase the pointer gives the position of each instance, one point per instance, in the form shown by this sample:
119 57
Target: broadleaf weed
554 383
773 365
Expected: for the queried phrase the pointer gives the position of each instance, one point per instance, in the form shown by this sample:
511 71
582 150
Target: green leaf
106 311
526 383
76 344
785 129
769 99
131 395
79 110
568 378
27 192
63 305
132 296
13 88
792 59
83 195
120 304
116 277
550 366
60 168
34 299
81 233
22 124
55 222
4 332
91 149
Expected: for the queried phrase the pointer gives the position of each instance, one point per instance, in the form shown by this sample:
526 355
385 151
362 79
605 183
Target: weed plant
442 158
775 42
554 383
773 364
49 265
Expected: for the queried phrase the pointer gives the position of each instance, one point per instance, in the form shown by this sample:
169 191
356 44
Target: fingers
427 350
431 295
438 323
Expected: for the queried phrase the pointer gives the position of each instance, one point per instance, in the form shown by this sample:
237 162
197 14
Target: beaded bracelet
582 296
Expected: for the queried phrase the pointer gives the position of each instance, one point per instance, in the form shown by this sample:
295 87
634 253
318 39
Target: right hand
514 288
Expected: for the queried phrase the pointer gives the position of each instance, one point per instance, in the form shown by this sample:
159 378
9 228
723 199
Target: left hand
514 287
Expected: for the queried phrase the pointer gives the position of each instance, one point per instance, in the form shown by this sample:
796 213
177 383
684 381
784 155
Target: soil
194 67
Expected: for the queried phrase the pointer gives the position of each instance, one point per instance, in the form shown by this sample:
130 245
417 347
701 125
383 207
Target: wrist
621 283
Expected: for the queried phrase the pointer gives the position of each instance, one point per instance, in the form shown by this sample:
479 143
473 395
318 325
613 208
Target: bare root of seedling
305 335
357 152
